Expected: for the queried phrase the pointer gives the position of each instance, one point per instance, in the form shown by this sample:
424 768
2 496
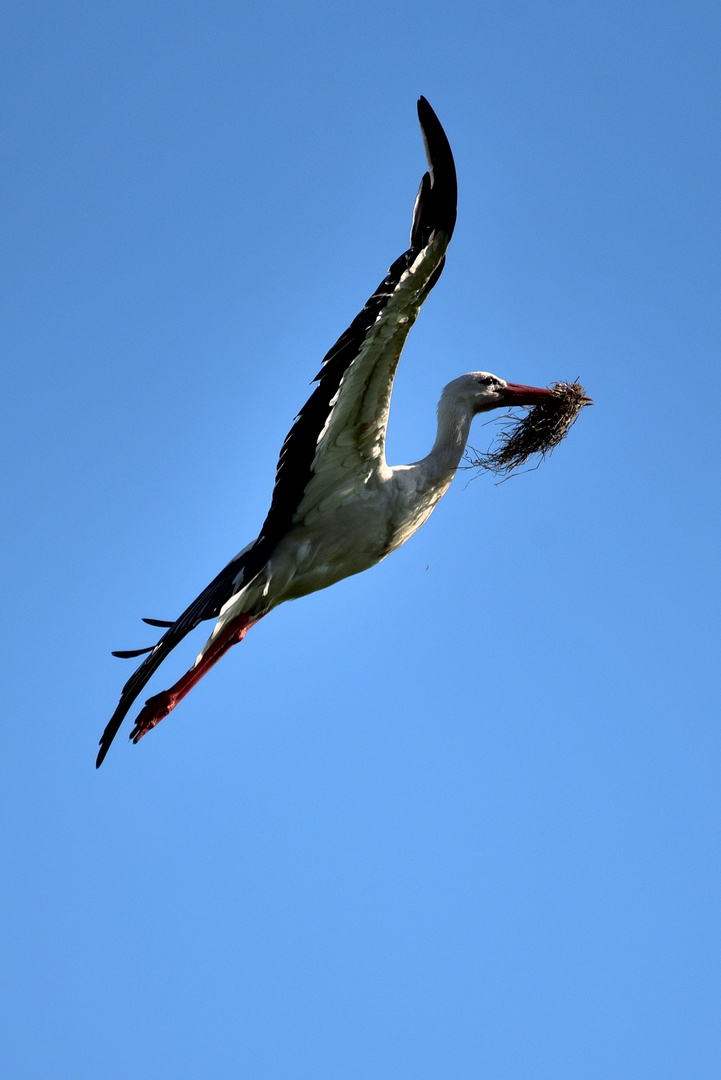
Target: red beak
516 394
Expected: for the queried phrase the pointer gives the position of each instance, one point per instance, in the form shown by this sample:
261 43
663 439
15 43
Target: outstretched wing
339 434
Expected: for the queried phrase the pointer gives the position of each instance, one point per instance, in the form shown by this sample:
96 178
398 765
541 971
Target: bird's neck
454 425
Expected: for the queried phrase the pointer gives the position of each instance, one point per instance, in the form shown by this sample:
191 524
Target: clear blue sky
458 817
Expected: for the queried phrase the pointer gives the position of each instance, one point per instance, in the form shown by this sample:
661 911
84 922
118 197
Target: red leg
157 708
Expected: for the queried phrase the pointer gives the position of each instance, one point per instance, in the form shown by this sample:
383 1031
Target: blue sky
457 817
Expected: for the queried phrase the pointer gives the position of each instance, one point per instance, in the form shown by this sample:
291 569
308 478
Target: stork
337 507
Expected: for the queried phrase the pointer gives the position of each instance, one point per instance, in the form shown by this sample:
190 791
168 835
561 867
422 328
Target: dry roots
538 432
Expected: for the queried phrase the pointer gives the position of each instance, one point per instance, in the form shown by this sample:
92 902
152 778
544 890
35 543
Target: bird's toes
155 709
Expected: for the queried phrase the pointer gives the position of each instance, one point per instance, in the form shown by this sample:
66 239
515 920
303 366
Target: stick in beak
550 417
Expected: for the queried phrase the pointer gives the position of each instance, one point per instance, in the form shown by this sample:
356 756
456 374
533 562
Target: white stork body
338 508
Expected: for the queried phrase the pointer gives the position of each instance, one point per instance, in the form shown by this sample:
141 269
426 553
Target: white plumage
338 508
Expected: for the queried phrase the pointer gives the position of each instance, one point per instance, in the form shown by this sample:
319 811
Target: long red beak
516 394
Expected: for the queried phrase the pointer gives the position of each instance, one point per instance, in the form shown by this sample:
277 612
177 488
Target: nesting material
538 432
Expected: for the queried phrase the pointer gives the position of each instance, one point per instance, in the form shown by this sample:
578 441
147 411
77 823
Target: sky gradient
457 817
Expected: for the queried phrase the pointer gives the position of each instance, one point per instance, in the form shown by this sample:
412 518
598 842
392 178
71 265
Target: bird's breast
345 536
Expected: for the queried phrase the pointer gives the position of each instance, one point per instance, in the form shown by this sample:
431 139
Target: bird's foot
155 709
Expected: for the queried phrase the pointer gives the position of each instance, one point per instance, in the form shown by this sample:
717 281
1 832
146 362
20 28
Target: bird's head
482 391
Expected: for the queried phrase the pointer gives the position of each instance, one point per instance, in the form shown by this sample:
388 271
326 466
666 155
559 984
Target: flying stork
337 507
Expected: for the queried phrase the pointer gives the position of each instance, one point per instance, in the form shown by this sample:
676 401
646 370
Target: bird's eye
487 380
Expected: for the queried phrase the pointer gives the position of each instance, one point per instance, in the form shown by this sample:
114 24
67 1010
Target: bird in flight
337 506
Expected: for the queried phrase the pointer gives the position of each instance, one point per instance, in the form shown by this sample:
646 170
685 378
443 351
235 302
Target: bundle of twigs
542 428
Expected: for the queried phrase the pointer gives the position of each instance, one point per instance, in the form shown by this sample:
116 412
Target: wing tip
437 208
